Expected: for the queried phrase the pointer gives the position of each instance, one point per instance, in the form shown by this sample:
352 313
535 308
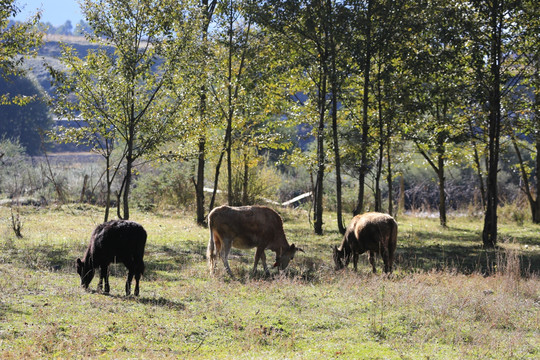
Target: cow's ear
79 262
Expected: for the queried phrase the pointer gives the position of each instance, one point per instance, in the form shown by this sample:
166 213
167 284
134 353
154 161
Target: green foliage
17 39
130 90
162 186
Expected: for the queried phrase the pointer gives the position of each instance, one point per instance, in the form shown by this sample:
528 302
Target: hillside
50 52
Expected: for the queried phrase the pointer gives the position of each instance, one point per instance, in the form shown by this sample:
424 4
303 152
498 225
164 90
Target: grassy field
447 299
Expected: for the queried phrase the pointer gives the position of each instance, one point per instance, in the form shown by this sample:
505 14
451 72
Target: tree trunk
526 188
478 167
109 185
535 206
199 184
335 88
442 191
365 119
245 183
378 196
318 214
208 10
389 169
439 170
489 233
228 133
129 168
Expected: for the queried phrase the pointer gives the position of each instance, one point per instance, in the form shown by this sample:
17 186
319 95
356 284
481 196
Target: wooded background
369 105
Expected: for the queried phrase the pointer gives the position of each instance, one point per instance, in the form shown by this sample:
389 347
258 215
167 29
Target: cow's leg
259 254
137 278
139 270
128 281
225 255
390 260
100 282
371 257
355 261
387 259
104 276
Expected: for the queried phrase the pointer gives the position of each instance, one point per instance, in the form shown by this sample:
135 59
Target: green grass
448 298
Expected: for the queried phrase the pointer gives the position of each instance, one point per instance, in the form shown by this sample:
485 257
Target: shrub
163 185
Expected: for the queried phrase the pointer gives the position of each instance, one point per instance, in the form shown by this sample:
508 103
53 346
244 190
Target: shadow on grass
460 250
454 249
464 259
145 300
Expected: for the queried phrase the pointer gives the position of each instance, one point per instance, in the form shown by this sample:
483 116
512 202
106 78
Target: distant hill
50 53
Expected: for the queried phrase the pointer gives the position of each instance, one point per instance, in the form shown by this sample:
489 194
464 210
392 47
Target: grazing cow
248 227
373 232
117 239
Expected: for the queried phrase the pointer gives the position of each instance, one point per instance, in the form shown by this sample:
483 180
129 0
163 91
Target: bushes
166 185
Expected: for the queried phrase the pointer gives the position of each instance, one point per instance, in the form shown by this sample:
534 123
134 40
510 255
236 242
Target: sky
56 12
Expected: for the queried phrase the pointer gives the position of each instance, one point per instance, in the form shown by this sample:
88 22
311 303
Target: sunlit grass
448 298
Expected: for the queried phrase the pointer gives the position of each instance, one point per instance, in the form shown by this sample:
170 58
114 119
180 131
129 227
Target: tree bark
365 118
208 10
318 196
199 184
489 233
335 89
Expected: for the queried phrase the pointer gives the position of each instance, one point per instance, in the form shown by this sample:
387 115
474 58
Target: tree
134 85
207 9
525 106
496 27
235 41
364 11
439 69
312 30
17 40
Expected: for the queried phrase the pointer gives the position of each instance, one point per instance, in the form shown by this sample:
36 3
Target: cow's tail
211 253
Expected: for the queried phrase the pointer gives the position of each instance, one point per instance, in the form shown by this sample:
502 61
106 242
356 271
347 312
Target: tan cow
248 227
374 232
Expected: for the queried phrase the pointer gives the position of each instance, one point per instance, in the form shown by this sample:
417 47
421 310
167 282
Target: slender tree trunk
526 188
335 89
318 215
535 207
109 185
129 168
439 170
231 110
245 183
199 184
389 168
476 157
208 10
365 118
489 233
442 190
378 196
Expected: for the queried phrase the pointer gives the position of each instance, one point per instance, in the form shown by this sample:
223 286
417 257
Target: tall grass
446 299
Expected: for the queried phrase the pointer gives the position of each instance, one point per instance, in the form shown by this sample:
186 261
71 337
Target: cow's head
86 273
283 259
339 258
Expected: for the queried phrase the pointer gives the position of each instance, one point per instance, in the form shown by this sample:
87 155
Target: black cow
116 240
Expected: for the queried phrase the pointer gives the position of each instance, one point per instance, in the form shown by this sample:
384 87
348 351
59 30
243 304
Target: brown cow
373 232
248 227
